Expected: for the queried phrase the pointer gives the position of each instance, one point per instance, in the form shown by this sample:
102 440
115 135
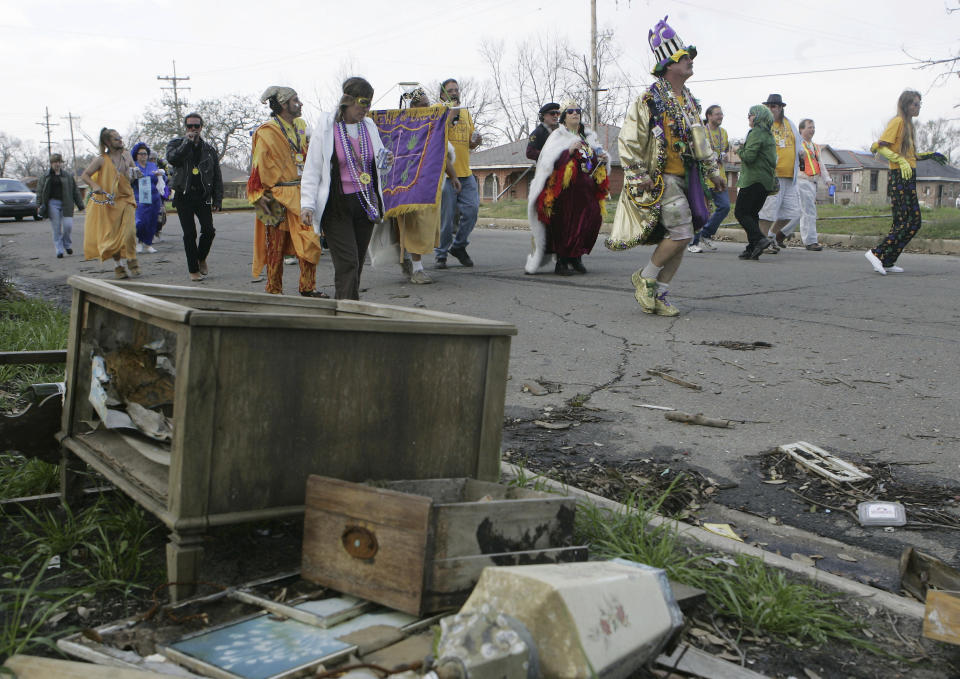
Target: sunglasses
363 101
193 126
571 111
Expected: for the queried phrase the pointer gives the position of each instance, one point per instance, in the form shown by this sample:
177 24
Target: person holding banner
567 194
340 191
420 229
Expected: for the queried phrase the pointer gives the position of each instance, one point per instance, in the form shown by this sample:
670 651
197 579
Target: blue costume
148 213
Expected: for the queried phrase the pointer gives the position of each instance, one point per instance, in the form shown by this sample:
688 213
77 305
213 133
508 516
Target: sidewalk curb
924 246
692 534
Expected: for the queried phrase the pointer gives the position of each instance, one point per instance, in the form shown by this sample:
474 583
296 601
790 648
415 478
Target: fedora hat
775 99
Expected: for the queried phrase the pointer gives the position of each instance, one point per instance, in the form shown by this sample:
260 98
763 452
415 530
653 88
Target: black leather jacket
69 191
181 160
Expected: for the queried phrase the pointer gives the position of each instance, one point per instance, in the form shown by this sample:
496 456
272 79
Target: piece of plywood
407 652
391 570
699 663
941 618
32 667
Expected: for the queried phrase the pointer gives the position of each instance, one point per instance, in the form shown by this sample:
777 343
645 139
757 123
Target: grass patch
872 220
28 325
22 477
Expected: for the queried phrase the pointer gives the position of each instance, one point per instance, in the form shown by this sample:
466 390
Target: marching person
199 192
784 205
758 163
720 143
811 171
110 229
147 193
279 154
340 191
898 144
663 201
567 194
57 193
549 117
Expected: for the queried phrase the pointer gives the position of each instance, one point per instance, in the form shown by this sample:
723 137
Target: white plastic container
878 513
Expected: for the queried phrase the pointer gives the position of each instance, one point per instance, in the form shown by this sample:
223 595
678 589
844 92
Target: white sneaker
695 249
290 259
139 248
157 239
894 269
150 249
875 262
707 244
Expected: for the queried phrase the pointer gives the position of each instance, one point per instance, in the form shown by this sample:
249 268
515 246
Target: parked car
16 200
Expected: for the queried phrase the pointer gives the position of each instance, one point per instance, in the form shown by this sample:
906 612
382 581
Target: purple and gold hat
667 46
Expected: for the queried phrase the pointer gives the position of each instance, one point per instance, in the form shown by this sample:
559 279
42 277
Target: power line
174 79
47 124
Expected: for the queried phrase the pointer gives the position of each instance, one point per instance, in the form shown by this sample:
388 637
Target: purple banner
418 139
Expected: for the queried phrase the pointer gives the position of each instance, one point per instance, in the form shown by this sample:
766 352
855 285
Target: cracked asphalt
860 364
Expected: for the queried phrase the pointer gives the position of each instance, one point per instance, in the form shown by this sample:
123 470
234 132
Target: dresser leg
183 563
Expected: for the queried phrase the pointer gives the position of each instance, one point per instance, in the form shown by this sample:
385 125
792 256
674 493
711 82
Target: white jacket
315 183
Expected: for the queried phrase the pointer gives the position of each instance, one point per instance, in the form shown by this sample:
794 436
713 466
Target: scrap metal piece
823 463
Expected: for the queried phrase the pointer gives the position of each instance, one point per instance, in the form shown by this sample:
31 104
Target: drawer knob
359 542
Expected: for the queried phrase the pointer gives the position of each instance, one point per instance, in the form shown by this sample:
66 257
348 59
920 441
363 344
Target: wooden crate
419 546
270 389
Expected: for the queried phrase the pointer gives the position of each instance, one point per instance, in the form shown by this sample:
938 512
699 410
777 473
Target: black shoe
59 255
577 264
440 264
319 294
462 256
816 247
69 251
759 247
563 267
747 252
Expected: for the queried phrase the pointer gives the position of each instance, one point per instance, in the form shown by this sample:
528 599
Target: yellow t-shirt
786 148
893 135
459 135
674 163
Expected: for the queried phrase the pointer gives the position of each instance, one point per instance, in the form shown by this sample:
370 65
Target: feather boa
549 181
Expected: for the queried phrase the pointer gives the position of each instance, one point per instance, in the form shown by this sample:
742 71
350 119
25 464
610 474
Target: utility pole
47 124
176 98
73 142
594 76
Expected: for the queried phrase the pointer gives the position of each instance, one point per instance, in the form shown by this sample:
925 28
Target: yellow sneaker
645 292
663 306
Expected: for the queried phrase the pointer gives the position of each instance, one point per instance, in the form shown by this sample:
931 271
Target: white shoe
695 249
139 248
157 239
894 269
150 249
875 262
707 244
290 259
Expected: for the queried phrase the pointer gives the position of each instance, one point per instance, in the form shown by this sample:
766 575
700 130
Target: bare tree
948 66
475 96
8 151
31 159
939 135
327 98
547 68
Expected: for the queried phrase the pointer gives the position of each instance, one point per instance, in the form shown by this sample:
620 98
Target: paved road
860 364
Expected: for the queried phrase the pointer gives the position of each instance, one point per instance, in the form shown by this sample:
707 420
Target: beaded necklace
295 147
781 133
358 167
677 111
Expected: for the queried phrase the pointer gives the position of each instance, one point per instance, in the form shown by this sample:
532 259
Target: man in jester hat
279 154
664 198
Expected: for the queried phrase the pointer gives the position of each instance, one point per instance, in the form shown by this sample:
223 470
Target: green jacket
69 190
758 159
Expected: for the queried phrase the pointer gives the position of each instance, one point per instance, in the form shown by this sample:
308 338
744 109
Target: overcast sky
100 60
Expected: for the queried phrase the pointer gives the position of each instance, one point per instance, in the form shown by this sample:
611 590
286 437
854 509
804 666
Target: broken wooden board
919 571
692 660
32 667
699 418
823 463
941 618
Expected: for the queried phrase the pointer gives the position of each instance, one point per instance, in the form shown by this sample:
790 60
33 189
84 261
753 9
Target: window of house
926 190
874 179
846 182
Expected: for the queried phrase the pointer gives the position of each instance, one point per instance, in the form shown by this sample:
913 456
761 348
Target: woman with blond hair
898 144
110 229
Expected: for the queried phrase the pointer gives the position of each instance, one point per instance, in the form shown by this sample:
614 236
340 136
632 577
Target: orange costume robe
274 169
111 229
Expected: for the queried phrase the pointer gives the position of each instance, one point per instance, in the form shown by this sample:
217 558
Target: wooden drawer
420 546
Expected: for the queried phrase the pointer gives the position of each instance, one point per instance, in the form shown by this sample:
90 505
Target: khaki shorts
675 210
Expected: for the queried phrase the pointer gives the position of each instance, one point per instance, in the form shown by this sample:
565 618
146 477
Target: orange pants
278 242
